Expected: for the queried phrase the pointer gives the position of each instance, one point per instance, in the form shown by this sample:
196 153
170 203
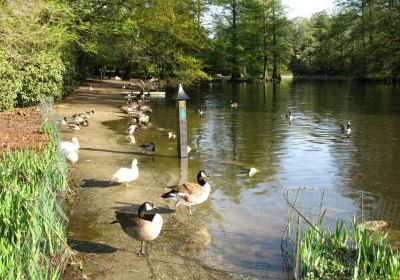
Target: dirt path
106 251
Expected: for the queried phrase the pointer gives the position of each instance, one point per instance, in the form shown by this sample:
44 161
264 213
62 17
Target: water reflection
311 151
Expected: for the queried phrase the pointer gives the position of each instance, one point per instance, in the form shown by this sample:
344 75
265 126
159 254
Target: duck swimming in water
345 128
289 116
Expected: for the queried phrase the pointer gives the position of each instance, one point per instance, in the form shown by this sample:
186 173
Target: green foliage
32 228
251 37
41 77
36 48
10 83
340 255
360 39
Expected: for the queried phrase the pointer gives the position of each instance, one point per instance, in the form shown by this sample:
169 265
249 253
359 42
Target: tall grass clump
32 222
347 254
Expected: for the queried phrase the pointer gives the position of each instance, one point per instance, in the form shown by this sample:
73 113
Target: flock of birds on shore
80 120
144 226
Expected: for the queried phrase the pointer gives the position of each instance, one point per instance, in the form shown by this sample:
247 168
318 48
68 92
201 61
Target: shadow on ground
90 247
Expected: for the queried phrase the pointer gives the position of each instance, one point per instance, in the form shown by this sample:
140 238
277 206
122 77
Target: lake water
246 216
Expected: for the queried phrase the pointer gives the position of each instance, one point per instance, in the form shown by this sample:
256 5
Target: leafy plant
32 222
361 254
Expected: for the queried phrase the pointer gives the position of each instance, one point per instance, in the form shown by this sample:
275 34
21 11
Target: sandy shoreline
106 252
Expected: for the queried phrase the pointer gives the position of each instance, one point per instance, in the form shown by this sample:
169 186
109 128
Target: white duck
132 129
171 135
132 139
126 175
70 146
252 172
72 156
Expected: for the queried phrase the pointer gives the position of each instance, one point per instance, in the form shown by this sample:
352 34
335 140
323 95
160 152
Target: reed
32 221
347 254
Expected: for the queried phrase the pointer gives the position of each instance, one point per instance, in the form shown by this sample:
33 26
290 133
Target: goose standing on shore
190 194
141 226
126 175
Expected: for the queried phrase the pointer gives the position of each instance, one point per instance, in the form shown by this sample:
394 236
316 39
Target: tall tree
233 10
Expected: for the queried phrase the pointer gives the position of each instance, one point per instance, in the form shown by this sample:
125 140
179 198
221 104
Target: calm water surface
246 216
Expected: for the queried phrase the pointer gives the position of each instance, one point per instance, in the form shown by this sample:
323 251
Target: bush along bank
32 221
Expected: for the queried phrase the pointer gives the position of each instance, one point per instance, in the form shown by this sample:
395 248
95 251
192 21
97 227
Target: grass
347 254
32 221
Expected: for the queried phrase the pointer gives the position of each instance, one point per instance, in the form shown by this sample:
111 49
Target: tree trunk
275 75
265 58
363 27
235 67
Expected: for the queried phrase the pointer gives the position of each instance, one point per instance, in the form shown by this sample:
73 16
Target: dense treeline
361 39
46 46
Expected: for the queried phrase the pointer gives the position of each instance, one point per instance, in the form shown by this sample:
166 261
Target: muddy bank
106 252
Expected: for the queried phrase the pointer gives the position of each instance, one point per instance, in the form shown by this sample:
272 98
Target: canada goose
126 175
346 128
289 116
74 127
123 85
70 146
62 122
171 135
72 155
234 104
132 128
141 226
252 172
151 147
190 193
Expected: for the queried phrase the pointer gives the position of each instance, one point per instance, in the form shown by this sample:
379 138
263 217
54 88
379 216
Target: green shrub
10 83
41 76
